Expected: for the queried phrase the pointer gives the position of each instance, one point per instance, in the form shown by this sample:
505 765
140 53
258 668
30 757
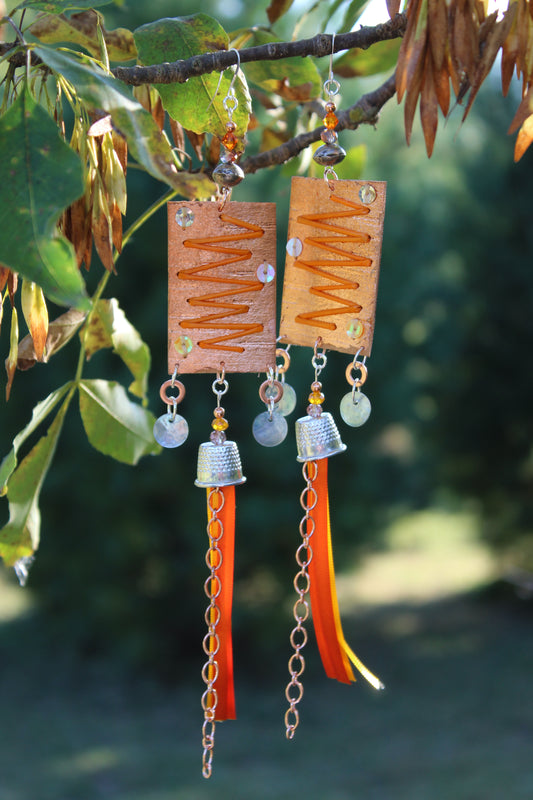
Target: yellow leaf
36 315
11 360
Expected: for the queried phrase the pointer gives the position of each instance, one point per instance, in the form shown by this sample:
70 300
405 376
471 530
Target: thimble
317 437
219 465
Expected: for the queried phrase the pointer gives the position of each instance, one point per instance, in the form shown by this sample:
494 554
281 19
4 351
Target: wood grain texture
214 295
333 282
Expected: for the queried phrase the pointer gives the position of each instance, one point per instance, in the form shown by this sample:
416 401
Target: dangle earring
270 427
355 407
329 301
171 429
330 153
287 403
221 320
228 173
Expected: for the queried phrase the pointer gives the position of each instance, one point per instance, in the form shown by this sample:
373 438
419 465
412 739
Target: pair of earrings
222 320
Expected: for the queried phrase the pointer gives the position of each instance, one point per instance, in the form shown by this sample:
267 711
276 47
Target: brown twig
318 46
364 111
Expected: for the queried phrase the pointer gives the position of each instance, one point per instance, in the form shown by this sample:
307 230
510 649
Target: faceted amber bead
330 120
229 140
220 424
316 398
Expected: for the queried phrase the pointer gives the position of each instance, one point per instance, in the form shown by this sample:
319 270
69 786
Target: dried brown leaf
524 110
197 140
441 82
11 360
494 41
277 9
410 44
299 94
429 111
36 315
12 284
116 225
438 31
393 7
60 331
411 99
102 235
158 113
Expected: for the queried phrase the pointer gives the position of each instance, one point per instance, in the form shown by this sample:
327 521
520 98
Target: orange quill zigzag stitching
237 286
327 243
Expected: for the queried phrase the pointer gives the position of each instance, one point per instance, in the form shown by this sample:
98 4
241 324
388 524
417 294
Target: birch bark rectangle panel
331 277
219 311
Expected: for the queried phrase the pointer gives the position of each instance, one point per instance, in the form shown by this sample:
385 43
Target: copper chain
298 638
211 642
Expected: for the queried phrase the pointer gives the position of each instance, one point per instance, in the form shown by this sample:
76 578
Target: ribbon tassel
337 656
221 528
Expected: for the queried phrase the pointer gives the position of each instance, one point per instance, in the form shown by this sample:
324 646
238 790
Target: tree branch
318 46
364 111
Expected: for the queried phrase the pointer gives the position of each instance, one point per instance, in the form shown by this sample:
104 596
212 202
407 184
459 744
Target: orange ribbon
335 652
224 534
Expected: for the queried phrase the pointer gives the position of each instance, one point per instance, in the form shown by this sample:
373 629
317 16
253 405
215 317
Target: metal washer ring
172 384
357 382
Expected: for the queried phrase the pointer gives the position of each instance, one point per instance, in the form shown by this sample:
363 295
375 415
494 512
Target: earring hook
231 92
331 85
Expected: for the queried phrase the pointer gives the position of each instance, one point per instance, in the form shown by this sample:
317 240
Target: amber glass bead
330 120
220 424
316 398
229 140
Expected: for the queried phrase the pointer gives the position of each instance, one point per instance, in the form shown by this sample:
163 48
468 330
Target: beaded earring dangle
221 320
329 298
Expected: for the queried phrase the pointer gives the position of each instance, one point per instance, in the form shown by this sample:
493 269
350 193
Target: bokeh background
432 515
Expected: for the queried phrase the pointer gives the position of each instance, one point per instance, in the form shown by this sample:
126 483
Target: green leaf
293 78
114 424
82 29
20 537
39 414
146 143
352 14
109 327
57 6
381 57
39 177
194 103
355 161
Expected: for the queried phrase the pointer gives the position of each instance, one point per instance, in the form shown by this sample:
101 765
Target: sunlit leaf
295 75
355 161
82 29
524 138
36 315
60 332
109 328
147 144
381 57
20 537
39 177
277 9
114 424
39 414
198 103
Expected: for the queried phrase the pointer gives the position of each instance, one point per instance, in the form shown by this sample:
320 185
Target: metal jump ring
172 384
282 353
275 398
356 381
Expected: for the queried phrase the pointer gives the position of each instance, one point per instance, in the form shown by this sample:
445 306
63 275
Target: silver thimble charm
219 465
317 437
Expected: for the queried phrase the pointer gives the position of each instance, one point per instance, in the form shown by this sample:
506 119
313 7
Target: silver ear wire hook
231 92
331 86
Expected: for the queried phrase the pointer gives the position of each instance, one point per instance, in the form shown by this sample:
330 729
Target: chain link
298 638
211 642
